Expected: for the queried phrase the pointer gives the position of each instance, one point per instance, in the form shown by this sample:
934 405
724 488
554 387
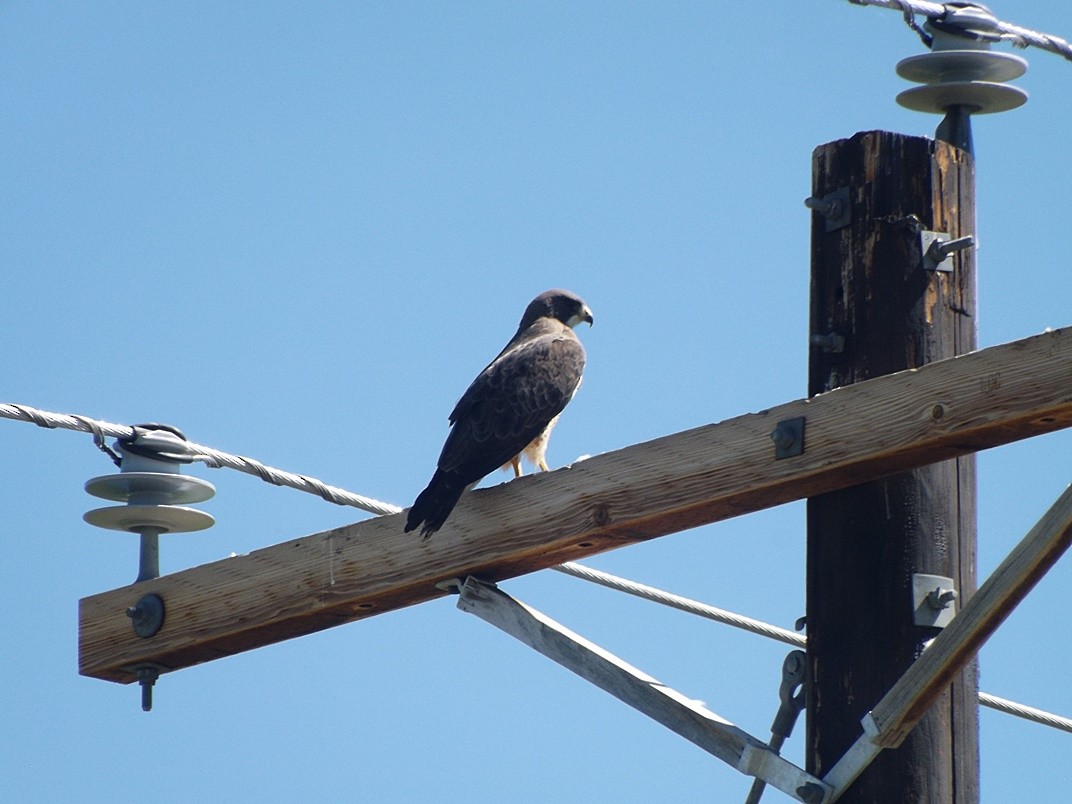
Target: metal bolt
830 342
782 436
940 249
940 599
827 207
147 615
788 438
147 676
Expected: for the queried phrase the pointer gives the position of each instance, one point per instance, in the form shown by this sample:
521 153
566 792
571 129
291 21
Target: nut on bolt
939 598
828 207
788 438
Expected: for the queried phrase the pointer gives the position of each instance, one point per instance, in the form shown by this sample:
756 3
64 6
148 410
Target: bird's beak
585 315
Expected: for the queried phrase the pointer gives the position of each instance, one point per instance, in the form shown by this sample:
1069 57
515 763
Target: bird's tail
434 504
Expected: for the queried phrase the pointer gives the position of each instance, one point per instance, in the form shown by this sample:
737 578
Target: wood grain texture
684 480
869 285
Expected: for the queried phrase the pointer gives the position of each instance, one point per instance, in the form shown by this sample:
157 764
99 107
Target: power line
774 632
188 451
216 459
975 21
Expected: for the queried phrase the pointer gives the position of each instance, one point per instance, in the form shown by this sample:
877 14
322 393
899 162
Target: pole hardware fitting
937 249
961 77
788 438
933 600
791 704
938 599
147 673
147 615
829 342
150 484
790 694
451 586
834 207
811 793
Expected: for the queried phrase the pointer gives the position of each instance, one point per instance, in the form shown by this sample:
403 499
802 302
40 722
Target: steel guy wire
774 632
1026 712
682 603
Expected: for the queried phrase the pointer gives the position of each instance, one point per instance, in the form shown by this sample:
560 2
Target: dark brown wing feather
509 403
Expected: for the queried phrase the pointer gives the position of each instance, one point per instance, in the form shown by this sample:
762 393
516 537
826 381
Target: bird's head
569 308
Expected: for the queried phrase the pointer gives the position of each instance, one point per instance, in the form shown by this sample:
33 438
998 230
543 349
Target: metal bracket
829 342
933 600
834 207
788 438
689 718
937 250
791 696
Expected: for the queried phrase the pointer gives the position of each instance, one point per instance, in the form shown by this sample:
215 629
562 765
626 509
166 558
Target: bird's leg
516 463
543 464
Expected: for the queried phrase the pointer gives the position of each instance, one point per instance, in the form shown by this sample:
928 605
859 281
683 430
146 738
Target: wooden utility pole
879 306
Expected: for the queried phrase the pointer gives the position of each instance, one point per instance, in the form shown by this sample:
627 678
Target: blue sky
297 231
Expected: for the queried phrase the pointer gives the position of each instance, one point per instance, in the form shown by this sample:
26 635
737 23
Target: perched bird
511 407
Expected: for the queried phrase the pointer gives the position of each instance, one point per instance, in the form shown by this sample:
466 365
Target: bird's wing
511 402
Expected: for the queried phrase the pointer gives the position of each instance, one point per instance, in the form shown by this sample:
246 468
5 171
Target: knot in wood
600 515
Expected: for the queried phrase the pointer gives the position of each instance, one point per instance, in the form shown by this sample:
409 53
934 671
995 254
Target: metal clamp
791 695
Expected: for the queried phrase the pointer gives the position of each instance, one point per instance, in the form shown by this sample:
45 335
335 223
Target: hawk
511 407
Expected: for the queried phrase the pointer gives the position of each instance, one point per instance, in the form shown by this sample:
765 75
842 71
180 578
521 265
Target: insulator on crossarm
152 487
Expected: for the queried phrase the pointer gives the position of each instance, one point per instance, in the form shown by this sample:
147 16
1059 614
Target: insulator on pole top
961 76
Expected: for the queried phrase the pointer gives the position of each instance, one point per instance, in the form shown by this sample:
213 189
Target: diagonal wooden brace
900 709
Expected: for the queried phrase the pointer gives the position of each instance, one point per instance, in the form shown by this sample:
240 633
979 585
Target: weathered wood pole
887 312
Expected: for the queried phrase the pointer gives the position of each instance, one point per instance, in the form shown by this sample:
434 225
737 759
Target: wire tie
98 436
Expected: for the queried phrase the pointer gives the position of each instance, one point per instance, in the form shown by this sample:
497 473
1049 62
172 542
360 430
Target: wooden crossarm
852 435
